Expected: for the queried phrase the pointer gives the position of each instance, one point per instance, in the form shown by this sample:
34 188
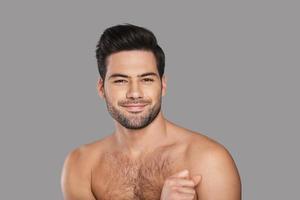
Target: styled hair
127 37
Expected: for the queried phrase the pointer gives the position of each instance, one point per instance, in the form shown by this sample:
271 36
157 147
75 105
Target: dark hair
127 37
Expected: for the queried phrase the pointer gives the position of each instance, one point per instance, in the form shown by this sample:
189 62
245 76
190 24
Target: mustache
134 102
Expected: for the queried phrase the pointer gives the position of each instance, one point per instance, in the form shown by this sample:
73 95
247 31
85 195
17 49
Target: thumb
182 174
196 179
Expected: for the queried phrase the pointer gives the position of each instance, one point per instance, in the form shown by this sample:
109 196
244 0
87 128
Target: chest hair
140 179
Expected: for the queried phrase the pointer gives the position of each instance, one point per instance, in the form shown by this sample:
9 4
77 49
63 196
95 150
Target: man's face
132 88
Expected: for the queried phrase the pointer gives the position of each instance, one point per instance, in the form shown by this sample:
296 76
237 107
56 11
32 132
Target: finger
182 174
196 179
184 196
187 190
182 182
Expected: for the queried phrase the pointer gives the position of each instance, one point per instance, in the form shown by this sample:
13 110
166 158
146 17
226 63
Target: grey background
232 69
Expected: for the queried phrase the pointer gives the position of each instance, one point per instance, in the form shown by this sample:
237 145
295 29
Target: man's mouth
135 107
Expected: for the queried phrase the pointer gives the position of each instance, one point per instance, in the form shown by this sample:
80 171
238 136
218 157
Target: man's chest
117 177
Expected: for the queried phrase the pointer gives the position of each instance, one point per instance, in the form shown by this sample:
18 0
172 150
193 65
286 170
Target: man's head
131 65
127 37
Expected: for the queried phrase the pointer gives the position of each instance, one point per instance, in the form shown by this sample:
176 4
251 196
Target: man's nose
134 91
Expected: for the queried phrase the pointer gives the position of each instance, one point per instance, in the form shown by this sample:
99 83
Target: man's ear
164 85
100 88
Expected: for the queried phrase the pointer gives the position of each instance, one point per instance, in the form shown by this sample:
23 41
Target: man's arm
220 177
75 179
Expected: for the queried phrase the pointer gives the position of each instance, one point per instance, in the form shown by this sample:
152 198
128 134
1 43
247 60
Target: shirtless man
147 157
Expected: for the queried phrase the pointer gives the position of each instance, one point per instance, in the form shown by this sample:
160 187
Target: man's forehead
132 58
130 71
133 63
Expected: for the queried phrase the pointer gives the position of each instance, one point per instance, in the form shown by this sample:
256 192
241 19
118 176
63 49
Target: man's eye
119 81
148 80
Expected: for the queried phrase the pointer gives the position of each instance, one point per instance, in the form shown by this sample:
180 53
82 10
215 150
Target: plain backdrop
232 69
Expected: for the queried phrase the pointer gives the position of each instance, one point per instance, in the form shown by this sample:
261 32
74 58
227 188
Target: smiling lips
134 107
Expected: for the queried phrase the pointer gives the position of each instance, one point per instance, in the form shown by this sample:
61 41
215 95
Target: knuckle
170 182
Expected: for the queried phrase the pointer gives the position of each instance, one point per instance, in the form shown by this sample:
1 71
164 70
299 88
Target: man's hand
180 186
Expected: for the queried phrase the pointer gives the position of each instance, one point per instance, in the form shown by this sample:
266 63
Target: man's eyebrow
118 75
148 74
126 76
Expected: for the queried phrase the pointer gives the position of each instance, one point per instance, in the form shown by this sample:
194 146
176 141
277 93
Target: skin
147 156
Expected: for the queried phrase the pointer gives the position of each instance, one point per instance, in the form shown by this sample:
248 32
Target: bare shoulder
77 169
86 154
210 159
202 146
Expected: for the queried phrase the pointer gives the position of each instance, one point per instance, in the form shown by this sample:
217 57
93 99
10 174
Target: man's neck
137 142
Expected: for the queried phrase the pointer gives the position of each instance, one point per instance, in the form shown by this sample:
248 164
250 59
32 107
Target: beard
134 120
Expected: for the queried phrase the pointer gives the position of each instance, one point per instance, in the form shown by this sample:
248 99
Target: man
147 156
